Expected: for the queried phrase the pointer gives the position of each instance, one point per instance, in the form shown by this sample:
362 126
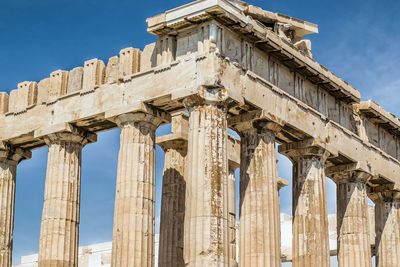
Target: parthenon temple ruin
217 65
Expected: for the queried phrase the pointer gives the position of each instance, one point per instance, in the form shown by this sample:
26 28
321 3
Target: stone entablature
85 95
382 129
230 65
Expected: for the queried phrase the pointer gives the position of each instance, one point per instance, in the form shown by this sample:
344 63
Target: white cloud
365 53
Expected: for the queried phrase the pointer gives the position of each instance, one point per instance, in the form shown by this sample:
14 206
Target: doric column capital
258 120
233 165
138 118
169 142
77 135
258 126
13 154
305 149
65 132
268 126
282 183
349 173
137 112
207 96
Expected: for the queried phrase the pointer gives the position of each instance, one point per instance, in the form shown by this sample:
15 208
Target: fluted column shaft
206 218
352 217
173 204
387 226
8 166
7 186
310 218
59 232
232 213
133 231
259 225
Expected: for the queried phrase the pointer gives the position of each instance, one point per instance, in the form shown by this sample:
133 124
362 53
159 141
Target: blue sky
358 40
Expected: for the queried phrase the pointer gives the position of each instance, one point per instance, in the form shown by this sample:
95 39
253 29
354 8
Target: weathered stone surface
282 183
75 79
173 203
4 98
173 192
166 50
310 217
259 229
204 46
206 218
375 123
112 69
148 58
299 27
7 184
23 97
170 224
304 46
133 232
321 96
129 61
33 92
286 223
59 232
233 165
93 74
29 93
43 90
232 213
159 85
58 85
353 242
387 228
13 100
9 159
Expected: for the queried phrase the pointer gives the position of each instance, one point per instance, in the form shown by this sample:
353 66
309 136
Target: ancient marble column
59 232
172 203
387 228
206 217
9 159
310 218
352 215
259 223
232 212
133 232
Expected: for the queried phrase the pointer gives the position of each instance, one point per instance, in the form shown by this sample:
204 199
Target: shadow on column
172 219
